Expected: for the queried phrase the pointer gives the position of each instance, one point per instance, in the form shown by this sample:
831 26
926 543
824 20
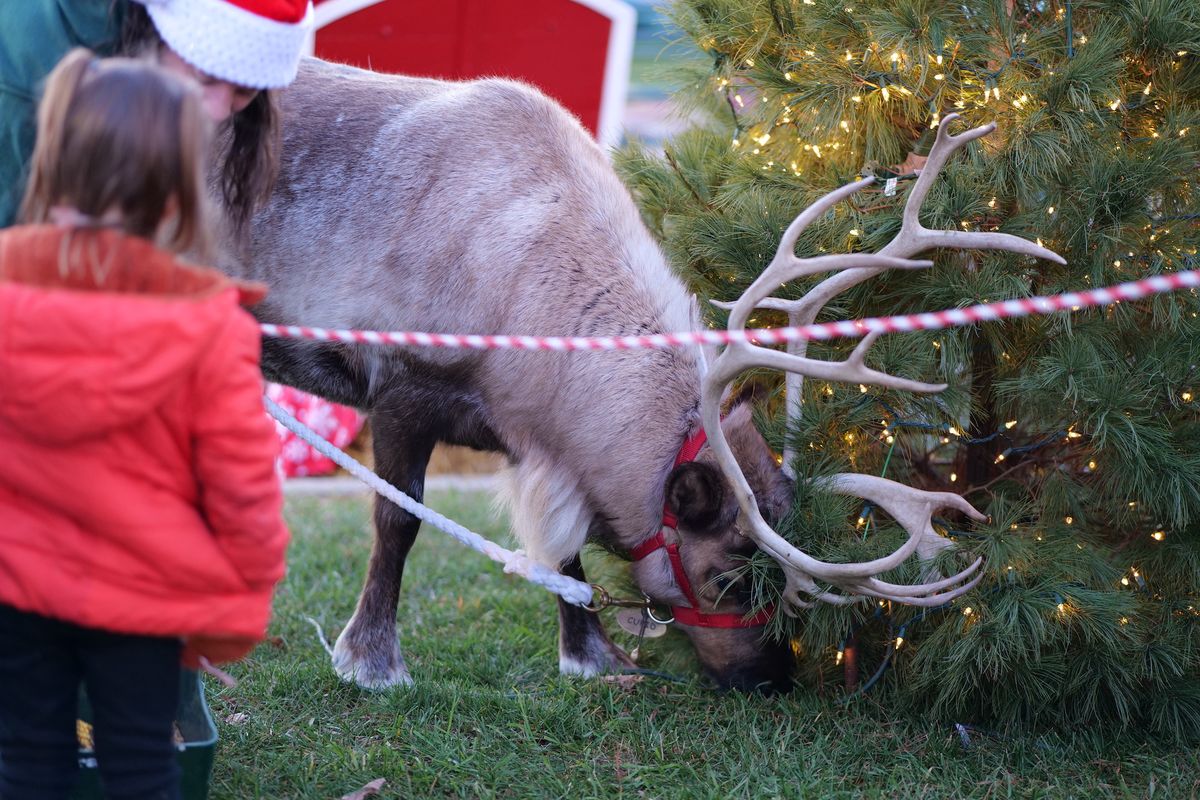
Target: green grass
490 715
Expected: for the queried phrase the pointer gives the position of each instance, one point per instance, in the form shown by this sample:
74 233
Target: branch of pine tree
683 178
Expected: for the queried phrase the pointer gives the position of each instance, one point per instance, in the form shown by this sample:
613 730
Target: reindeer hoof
604 659
379 667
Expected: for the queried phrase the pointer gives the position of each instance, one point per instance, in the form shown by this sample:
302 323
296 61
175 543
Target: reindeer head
727 499
700 570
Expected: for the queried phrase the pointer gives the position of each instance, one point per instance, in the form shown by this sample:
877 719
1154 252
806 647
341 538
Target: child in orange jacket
139 507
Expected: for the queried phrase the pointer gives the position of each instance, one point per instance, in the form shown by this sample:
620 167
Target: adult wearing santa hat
236 50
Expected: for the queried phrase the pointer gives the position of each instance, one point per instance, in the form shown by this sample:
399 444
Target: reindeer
483 207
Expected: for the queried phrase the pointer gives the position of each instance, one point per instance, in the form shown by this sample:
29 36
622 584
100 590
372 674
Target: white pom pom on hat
253 43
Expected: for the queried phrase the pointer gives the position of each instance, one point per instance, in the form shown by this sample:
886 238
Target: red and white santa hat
254 43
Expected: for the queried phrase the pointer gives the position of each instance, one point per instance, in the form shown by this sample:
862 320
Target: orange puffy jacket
138 491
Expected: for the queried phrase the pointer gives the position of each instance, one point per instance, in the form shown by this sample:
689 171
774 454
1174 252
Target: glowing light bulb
1012 423
1186 397
838 660
968 611
953 477
1069 520
1158 536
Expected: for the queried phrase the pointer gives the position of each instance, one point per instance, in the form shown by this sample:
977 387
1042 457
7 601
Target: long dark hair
251 155
122 137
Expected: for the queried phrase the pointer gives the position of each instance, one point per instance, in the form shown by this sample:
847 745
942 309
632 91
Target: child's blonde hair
121 141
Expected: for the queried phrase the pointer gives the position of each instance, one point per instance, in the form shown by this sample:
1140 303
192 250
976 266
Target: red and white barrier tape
935 320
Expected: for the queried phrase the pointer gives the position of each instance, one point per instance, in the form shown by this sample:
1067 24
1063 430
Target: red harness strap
691 614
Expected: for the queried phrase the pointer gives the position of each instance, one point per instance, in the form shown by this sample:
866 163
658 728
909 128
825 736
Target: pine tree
1079 433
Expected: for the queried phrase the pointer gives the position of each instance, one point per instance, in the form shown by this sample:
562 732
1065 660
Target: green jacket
34 35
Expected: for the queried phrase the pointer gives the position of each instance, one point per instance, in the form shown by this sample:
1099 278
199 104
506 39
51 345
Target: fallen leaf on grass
626 682
237 718
369 790
221 675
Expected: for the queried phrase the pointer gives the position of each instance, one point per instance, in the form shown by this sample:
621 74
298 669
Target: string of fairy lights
932 80
949 433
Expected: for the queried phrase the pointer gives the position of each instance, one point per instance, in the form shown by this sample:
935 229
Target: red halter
691 614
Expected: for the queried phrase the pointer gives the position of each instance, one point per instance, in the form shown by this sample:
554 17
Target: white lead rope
573 591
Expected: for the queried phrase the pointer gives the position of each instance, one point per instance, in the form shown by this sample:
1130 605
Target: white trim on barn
615 90
331 11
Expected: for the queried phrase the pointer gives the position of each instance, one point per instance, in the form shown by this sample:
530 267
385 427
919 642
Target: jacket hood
97 329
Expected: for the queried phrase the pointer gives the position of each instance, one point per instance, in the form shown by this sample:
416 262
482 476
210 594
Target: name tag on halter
637 621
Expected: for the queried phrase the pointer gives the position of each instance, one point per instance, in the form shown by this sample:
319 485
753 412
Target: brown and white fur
483 207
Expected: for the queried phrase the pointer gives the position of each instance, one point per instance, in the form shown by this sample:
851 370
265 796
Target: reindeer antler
912 508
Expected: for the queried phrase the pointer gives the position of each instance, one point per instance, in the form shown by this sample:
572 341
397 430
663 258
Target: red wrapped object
338 424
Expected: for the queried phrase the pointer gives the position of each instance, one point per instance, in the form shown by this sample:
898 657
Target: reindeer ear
695 494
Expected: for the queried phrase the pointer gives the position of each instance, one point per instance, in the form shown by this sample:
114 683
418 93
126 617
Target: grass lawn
490 715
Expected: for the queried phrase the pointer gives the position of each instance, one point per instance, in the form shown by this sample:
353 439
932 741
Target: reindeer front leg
368 650
583 646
